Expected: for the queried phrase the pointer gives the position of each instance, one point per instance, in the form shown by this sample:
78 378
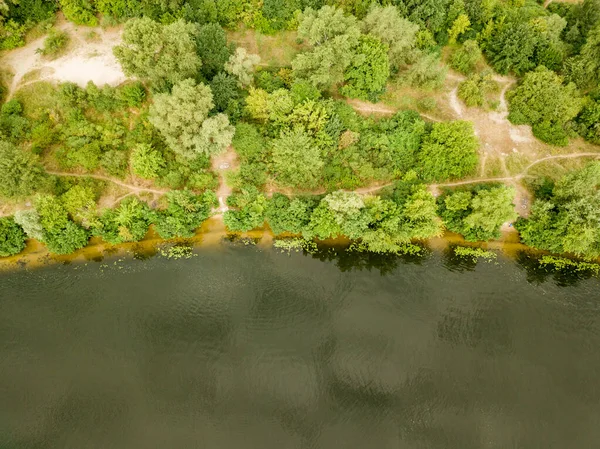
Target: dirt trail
222 164
132 188
89 59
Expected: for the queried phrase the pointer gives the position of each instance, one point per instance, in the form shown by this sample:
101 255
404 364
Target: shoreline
212 233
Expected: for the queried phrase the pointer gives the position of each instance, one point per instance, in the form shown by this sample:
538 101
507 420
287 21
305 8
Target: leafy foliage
466 58
544 102
478 215
159 53
127 223
185 212
367 75
12 237
20 172
566 219
449 151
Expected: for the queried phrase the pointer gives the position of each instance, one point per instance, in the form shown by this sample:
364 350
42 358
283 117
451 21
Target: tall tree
159 53
20 172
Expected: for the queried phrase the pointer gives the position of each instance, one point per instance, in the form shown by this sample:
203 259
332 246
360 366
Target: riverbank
213 233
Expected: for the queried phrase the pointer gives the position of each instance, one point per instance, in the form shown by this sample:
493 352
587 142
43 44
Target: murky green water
243 348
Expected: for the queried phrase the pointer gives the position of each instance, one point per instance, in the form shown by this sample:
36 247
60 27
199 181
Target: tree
80 12
184 214
426 73
226 94
473 90
479 216
182 119
367 75
449 151
567 220
466 58
590 55
511 46
127 223
297 160
159 53
544 102
60 234
20 172
391 28
333 36
12 237
29 220
241 64
285 215
459 26
212 48
146 161
250 210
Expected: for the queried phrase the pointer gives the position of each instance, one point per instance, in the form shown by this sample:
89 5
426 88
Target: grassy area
37 98
277 51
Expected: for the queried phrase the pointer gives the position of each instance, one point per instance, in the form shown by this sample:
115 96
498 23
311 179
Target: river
246 347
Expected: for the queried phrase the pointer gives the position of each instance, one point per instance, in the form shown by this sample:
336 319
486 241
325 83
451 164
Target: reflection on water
250 348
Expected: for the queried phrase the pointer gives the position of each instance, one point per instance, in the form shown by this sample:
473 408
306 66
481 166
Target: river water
249 348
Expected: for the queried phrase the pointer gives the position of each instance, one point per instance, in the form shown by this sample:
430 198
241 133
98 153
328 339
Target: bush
80 12
449 151
54 44
12 237
466 58
133 94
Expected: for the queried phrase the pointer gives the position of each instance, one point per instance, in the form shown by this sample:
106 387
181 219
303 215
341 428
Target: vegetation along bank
383 122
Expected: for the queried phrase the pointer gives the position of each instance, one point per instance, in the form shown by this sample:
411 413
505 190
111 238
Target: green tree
81 12
127 223
182 119
369 71
426 73
297 160
567 220
459 26
480 215
20 173
146 161
159 53
449 151
544 102
473 90
466 58
333 37
60 234
249 213
288 215
185 213
391 28
212 47
12 237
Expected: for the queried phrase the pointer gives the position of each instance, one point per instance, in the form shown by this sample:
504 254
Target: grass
37 98
493 167
276 51
516 163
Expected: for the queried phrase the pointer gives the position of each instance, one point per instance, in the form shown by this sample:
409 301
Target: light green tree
242 65
297 160
159 53
460 25
333 36
20 172
146 161
398 33
181 118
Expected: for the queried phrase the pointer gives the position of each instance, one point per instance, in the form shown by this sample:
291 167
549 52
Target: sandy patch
87 60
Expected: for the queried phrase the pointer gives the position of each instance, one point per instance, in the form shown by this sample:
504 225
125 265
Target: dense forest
308 163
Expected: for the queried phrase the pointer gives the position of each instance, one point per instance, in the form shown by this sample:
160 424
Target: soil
221 164
87 60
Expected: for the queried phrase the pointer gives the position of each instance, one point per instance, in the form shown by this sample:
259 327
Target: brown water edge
213 233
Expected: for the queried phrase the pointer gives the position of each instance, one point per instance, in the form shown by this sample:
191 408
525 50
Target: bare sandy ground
90 58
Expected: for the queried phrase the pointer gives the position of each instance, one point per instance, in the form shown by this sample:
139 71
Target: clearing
89 58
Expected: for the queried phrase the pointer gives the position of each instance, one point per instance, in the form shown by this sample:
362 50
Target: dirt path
132 188
222 164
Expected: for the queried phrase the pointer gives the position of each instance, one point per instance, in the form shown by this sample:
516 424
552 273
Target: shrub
54 44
